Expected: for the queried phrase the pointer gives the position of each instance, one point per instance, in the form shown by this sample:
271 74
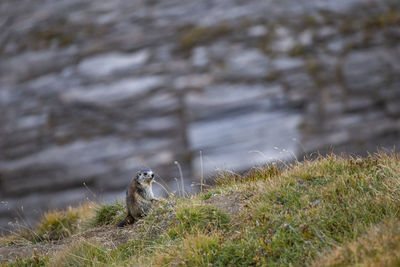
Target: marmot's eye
145 173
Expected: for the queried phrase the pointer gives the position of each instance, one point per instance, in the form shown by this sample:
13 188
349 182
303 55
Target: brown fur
139 197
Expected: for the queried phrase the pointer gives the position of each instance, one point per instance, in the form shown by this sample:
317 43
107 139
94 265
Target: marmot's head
144 177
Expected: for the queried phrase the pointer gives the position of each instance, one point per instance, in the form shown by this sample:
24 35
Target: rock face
92 90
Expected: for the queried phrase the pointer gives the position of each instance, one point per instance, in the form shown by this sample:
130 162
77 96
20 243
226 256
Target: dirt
231 203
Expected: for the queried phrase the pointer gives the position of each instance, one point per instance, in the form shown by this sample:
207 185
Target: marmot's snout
145 176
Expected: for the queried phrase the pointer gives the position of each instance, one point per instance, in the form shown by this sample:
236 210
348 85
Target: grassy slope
331 211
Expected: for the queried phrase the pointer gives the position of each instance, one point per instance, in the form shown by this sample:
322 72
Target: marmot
139 196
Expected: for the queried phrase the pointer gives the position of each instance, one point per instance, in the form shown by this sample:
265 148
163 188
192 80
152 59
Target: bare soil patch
231 203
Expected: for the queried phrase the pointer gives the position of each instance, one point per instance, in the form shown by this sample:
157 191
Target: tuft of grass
210 193
55 225
83 253
109 214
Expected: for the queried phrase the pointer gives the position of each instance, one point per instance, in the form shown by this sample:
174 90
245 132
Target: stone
358 103
393 108
365 70
215 138
32 64
121 90
305 38
336 46
193 81
106 64
284 40
200 57
286 63
299 82
257 31
250 64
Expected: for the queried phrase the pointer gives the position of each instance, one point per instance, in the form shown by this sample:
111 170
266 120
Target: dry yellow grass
380 246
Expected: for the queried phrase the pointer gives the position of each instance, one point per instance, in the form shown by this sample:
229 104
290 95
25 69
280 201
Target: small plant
209 194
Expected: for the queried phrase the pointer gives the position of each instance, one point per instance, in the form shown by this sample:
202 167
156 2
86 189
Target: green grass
331 211
109 214
210 193
83 254
202 218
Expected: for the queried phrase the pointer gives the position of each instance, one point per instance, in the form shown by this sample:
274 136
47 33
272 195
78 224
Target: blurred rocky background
92 90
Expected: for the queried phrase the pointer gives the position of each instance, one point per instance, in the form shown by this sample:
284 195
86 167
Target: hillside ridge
329 211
